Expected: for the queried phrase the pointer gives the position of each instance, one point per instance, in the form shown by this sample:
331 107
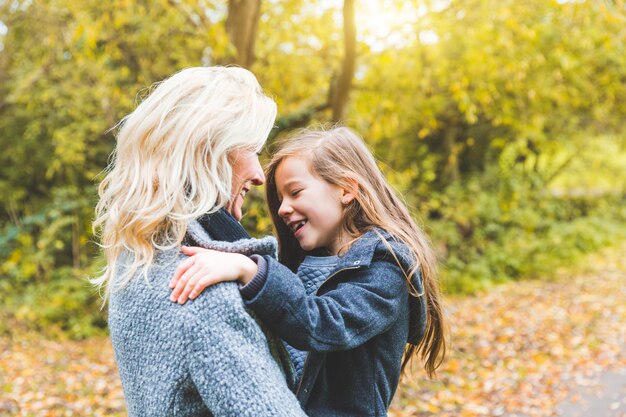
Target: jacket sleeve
231 364
341 319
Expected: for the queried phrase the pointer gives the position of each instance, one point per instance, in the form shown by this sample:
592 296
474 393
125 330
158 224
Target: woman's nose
259 177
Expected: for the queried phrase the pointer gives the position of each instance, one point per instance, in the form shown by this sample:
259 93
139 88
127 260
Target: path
602 395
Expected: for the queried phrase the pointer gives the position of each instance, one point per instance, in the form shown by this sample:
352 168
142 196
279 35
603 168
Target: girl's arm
343 318
206 267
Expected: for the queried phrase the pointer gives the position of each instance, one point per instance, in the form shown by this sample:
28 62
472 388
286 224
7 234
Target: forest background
500 122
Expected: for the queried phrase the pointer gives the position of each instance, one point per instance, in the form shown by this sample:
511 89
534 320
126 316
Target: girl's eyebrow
291 182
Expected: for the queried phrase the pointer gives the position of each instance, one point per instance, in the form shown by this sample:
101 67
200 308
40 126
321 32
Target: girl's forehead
292 169
293 165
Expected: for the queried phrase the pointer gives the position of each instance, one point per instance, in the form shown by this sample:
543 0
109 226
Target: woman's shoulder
152 286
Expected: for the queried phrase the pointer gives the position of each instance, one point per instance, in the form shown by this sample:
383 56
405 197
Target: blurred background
500 122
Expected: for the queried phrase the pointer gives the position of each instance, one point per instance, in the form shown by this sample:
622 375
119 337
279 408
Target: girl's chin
308 247
304 246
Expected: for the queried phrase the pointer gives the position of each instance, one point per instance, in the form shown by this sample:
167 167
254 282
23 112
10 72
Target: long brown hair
340 157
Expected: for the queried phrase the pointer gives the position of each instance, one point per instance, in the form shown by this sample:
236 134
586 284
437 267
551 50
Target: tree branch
297 119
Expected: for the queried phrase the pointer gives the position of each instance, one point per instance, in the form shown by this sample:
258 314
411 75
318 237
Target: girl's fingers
200 286
180 270
192 275
191 284
192 250
182 282
195 286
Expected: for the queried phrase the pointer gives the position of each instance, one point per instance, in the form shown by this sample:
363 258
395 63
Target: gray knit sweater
208 357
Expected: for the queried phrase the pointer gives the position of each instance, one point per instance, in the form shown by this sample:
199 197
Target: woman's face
247 172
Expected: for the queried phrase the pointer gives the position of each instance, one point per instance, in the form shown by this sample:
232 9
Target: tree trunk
340 90
241 24
339 86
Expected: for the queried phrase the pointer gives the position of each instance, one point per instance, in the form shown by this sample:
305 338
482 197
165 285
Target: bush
485 238
65 305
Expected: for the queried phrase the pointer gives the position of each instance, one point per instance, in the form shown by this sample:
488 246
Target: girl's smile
296 226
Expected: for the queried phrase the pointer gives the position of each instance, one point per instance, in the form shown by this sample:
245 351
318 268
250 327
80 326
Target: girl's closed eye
295 193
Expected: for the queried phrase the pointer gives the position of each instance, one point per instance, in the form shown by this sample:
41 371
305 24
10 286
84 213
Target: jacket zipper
306 360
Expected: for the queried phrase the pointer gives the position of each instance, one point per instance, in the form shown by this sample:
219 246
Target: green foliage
54 237
65 305
486 238
503 77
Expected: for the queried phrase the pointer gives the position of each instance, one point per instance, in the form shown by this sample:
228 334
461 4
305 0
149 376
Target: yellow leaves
453 365
432 408
515 351
79 378
91 38
15 262
15 257
539 357
80 29
119 20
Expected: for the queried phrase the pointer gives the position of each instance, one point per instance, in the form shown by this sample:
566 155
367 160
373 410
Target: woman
190 148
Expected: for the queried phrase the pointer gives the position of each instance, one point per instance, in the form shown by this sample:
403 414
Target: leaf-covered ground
519 350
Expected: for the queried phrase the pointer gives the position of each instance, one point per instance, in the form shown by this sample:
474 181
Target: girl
366 287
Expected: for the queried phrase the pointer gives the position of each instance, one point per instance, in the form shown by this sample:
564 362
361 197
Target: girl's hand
207 267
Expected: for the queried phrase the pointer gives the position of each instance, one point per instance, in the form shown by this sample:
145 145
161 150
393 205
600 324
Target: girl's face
311 207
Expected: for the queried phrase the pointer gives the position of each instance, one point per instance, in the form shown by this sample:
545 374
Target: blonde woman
184 161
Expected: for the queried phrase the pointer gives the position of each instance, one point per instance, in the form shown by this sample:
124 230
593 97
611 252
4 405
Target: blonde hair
171 163
340 157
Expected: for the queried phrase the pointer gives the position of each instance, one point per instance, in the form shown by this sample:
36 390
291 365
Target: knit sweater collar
221 225
221 231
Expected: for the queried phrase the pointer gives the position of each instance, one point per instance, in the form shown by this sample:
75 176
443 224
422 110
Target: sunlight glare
387 23
428 37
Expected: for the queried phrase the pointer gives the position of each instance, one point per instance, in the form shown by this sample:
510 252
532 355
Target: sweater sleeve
341 319
252 288
231 364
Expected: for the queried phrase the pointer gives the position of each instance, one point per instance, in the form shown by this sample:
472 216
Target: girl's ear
349 194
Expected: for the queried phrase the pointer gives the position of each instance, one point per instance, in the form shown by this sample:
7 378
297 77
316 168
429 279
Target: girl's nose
284 209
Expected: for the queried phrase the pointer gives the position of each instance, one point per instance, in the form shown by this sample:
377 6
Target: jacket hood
370 246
